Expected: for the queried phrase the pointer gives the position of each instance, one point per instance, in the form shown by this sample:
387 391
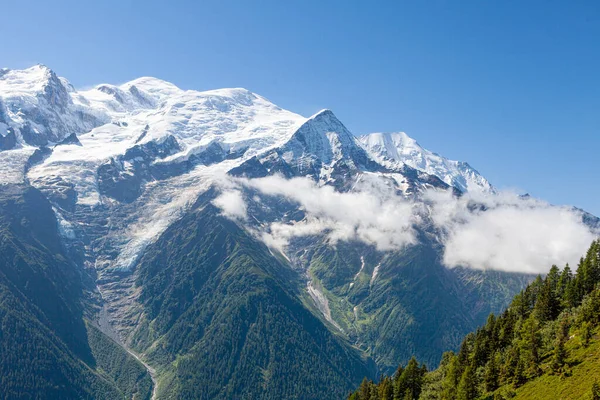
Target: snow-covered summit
26 81
36 108
39 108
139 153
393 149
323 137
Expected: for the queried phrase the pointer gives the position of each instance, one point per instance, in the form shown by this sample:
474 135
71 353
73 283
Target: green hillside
545 345
406 303
584 369
47 350
225 319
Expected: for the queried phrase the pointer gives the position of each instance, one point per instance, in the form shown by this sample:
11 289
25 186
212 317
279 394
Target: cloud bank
508 233
499 232
384 223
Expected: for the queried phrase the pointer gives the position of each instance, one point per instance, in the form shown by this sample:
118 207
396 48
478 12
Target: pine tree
586 333
364 390
590 308
465 349
531 345
519 377
411 380
564 281
595 392
386 389
398 385
480 352
452 379
510 364
560 354
592 267
571 294
548 303
467 387
533 291
491 374
374 393
491 329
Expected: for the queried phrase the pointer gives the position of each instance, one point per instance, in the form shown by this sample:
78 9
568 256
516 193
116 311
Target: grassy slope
585 368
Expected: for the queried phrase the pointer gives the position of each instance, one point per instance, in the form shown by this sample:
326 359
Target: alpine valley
160 243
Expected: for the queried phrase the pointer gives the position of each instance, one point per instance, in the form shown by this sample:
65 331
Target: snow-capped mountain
392 149
139 154
140 177
147 148
38 108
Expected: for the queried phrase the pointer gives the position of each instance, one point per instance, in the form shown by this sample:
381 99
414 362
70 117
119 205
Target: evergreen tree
548 305
520 303
364 390
519 376
591 267
386 389
467 387
586 333
560 354
506 325
531 345
595 391
465 349
564 281
398 385
452 379
590 308
374 393
572 297
411 380
491 374
533 292
480 352
510 364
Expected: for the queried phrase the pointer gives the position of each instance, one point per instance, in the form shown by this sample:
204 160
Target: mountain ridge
186 211
144 93
398 147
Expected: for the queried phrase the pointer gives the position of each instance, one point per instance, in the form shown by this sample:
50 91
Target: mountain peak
391 149
157 88
323 134
27 81
43 67
326 112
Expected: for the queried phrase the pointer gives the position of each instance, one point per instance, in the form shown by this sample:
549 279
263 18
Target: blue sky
512 87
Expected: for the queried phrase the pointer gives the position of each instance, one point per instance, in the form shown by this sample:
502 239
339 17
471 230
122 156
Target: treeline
406 384
527 340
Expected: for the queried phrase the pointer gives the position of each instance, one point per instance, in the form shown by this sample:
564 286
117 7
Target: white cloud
499 232
508 233
232 204
385 223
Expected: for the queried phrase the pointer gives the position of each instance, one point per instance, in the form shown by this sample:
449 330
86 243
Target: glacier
121 163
